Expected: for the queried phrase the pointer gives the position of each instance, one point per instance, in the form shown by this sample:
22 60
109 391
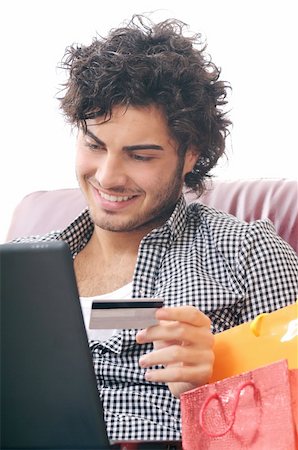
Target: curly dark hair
144 63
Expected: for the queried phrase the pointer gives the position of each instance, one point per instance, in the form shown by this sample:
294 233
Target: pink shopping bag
252 410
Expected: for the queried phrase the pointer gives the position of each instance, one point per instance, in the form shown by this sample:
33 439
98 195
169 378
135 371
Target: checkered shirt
229 269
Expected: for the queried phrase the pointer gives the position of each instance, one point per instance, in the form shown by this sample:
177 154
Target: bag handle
233 415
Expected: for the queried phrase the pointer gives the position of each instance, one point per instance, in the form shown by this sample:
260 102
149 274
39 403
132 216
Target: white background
254 42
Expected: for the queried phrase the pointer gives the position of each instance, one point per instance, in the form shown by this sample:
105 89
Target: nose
110 173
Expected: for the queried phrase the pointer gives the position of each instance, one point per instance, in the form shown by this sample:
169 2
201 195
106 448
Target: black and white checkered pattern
229 269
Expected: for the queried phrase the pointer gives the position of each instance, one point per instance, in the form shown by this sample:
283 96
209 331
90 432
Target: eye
93 146
141 157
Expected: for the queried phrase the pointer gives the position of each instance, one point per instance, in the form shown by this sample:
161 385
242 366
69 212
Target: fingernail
160 313
140 335
142 362
148 376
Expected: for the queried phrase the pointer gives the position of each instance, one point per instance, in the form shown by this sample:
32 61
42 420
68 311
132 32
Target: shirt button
142 292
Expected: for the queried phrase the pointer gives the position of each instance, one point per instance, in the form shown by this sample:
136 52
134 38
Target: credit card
123 314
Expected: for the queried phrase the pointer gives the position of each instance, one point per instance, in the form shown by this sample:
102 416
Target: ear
191 157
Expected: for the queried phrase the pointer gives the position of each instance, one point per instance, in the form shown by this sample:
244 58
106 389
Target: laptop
49 396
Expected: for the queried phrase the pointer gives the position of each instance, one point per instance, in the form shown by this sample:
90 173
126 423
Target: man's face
129 170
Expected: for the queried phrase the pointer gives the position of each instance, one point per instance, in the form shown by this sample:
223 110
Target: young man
147 103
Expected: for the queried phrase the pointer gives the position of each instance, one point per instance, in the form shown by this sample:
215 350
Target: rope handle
233 415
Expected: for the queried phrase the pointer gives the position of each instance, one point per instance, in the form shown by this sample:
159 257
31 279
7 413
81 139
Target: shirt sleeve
269 271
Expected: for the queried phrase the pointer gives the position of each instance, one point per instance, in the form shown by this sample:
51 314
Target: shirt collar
78 233
177 221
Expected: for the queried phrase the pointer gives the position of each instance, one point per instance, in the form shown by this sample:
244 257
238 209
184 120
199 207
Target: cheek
83 165
148 179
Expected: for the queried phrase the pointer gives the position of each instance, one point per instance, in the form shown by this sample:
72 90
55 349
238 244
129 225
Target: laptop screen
49 396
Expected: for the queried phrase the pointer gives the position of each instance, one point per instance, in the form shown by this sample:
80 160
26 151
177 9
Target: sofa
248 199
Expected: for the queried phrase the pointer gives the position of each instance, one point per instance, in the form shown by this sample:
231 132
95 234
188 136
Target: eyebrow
95 138
126 147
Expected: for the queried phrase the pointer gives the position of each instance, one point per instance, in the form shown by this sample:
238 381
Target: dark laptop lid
49 397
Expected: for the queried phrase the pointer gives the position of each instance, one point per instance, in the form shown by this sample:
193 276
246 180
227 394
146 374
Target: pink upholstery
249 199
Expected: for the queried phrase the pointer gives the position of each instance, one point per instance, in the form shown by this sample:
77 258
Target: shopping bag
268 338
294 394
252 411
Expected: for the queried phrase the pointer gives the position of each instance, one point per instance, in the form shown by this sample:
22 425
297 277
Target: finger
188 314
178 332
175 354
180 374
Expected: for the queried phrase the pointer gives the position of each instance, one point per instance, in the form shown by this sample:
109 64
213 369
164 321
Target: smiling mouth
114 198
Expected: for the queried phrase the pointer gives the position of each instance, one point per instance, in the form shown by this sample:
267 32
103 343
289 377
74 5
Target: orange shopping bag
252 411
268 338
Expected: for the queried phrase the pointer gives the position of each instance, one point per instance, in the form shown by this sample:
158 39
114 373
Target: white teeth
113 198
